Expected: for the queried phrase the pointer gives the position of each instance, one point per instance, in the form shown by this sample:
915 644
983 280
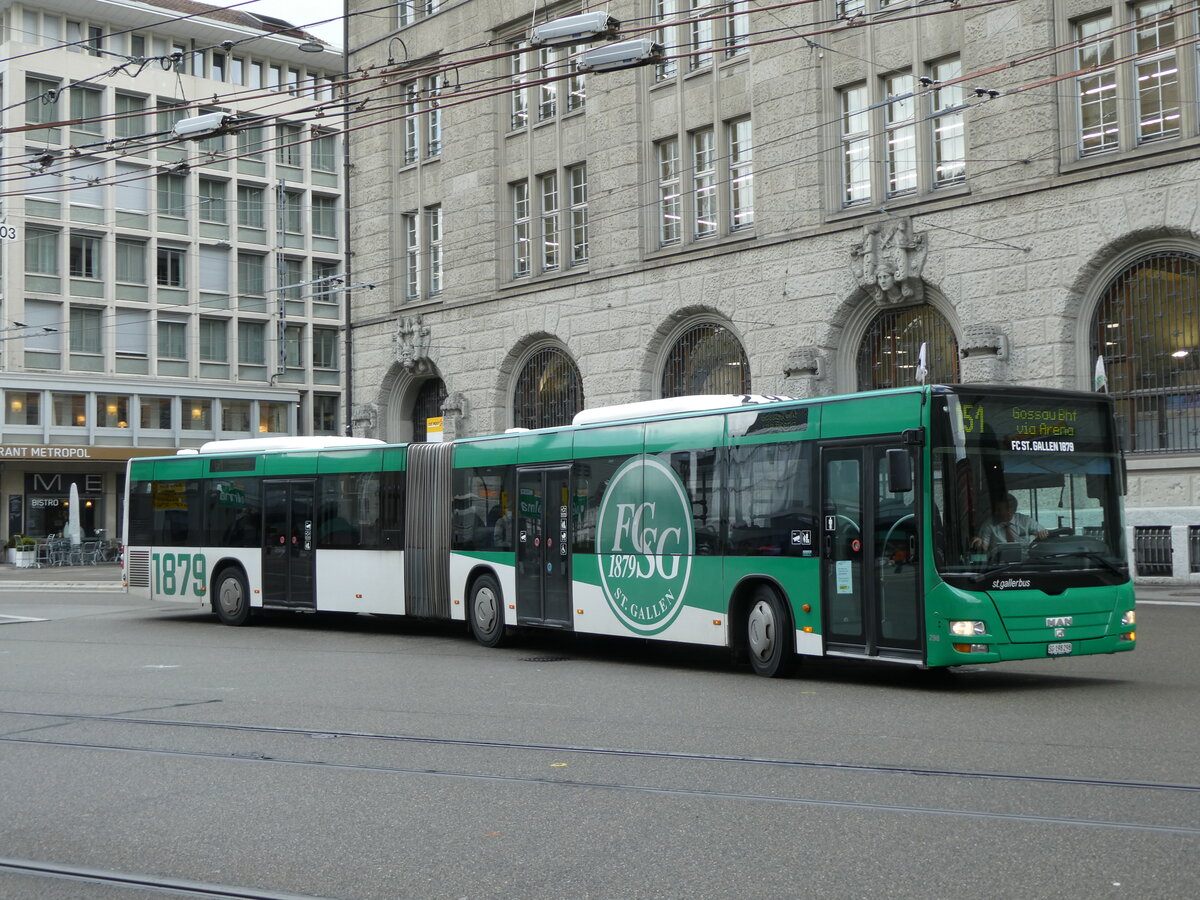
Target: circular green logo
645 540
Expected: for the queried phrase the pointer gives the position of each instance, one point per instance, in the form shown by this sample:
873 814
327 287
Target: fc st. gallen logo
645 541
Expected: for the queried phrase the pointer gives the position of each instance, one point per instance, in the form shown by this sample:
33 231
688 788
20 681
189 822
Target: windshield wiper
1090 554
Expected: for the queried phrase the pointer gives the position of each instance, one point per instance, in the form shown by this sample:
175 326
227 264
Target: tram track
6 737
656 790
157 884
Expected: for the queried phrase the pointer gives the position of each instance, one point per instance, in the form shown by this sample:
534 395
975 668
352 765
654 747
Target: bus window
141 514
482 514
178 514
591 477
391 510
770 498
700 475
234 512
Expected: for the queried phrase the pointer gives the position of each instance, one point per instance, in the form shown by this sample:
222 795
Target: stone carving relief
805 367
411 343
889 262
365 423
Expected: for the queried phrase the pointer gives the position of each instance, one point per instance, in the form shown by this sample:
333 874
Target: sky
299 12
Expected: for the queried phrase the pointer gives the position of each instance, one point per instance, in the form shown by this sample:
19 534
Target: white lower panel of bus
594 615
365 581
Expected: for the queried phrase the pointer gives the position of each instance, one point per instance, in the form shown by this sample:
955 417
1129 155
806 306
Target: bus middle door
543 547
288 560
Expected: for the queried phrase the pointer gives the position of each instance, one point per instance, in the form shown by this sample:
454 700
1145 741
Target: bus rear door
870 543
288 559
543 547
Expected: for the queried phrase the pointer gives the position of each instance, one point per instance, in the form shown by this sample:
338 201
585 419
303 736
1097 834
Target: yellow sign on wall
433 429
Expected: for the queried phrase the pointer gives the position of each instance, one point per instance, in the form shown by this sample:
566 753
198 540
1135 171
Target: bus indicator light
716 621
808 629
807 607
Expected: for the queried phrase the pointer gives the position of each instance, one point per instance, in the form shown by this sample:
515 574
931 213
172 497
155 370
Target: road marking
13 620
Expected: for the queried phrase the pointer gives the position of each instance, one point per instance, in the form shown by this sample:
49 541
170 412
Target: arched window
1146 329
549 390
428 405
888 354
706 359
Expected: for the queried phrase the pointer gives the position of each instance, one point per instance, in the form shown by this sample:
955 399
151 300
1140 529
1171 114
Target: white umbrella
74 532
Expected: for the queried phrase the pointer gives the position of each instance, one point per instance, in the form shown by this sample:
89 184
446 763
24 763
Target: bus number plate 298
1062 649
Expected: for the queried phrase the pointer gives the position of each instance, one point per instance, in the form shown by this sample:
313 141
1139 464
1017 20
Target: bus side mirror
900 476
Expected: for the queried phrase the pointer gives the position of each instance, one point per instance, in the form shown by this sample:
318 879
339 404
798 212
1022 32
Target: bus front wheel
487 611
232 599
768 635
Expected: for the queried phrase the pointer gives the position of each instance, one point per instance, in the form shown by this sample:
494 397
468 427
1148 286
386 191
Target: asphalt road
145 747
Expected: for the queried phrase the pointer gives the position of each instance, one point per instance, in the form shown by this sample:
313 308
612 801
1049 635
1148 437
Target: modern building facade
793 200
159 292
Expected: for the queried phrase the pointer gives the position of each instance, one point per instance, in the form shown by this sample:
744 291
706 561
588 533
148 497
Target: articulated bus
876 526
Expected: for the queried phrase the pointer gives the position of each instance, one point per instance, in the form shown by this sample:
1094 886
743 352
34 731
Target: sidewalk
103 577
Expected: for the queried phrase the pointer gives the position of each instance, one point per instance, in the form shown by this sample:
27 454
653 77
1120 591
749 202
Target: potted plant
24 551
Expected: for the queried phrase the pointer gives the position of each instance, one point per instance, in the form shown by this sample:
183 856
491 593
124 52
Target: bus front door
287 559
870 549
543 542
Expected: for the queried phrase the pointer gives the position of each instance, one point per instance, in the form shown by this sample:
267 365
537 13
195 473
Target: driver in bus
1007 526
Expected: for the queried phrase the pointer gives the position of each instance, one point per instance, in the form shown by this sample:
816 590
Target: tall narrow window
856 145
85 110
518 93
433 220
1157 74
669 217
211 198
412 123
84 257
130 116
172 196
549 220
172 339
288 144
901 135
737 28
1099 130
86 331
521 227
741 175
324 216
949 142
41 251
250 201
701 34
412 256
704 184
41 106
664 11
433 115
250 142
131 261
577 83
548 90
171 267
324 348
214 340
577 176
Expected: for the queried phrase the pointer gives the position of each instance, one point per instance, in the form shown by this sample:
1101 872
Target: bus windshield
1026 491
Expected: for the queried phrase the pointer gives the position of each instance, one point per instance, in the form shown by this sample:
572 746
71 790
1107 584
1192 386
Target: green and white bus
875 526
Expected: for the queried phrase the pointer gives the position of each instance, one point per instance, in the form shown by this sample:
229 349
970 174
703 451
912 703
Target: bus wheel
768 638
487 611
232 600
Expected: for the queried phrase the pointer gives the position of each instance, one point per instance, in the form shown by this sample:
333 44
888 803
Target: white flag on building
922 368
1101 379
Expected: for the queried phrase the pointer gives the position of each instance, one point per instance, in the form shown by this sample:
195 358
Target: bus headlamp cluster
967 627
1129 618
972 648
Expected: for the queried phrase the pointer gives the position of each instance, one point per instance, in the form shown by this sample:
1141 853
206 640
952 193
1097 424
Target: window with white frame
741 175
899 137
562 214
324 216
710 187
86 110
41 251
692 31
548 229
704 184
289 149
172 196
325 413
1136 62
422 252
433 115
130 115
131 261
518 93
669 200
324 152
211 200
577 182
214 338
547 77
412 122
41 101
252 343
86 330
251 200
172 339
324 348
293 211
172 267
132 188
522 228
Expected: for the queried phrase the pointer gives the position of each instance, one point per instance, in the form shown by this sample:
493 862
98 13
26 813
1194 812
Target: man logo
645 541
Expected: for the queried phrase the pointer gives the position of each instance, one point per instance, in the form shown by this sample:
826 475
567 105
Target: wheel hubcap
230 596
761 630
485 610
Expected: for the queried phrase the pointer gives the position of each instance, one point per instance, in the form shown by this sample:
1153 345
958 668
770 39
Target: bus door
871 552
543 547
288 559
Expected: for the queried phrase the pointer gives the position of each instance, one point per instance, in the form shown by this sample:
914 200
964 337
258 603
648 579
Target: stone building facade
791 201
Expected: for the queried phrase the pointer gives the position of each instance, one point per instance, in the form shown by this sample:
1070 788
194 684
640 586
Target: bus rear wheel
487 611
768 635
231 601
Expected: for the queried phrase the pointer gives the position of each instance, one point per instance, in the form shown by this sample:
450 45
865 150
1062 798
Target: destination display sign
1033 426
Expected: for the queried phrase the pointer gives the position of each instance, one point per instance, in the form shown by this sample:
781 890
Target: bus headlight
1129 618
967 627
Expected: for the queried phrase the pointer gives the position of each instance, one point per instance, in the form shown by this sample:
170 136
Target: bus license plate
1063 649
